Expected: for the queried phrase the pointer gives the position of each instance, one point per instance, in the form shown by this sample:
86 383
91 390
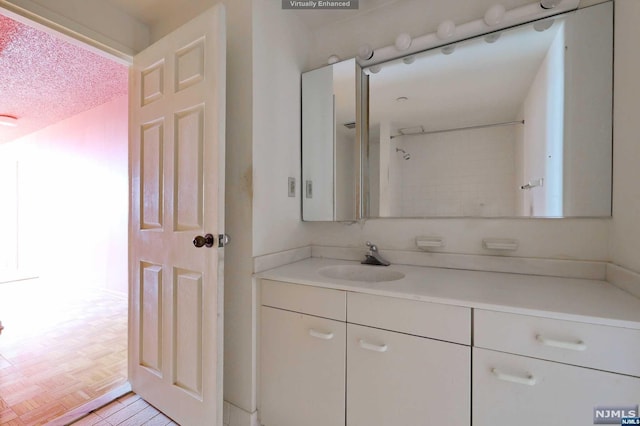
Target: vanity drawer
589 345
442 322
511 389
322 302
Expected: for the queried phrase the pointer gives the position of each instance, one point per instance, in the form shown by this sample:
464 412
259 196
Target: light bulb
549 4
448 50
492 38
333 59
494 15
365 52
446 30
403 41
409 59
541 26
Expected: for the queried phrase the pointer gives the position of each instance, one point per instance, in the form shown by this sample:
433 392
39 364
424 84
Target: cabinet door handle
371 347
574 346
529 380
320 335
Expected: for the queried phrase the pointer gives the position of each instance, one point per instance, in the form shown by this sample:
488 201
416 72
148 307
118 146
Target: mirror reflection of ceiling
44 79
479 83
344 89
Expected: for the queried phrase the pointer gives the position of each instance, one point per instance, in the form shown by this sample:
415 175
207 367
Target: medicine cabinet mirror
331 143
510 124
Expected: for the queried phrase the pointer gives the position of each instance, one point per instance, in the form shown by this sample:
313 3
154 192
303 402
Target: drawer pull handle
574 346
320 335
371 347
529 380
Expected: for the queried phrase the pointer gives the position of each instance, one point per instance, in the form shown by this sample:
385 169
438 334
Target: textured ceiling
44 79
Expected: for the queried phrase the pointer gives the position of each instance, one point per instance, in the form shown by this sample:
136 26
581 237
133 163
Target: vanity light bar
448 34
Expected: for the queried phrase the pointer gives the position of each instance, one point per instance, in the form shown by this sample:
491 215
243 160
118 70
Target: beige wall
625 229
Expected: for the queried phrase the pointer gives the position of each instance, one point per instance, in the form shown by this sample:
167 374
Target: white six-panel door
177 103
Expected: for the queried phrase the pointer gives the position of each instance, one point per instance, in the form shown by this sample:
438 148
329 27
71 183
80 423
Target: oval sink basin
366 273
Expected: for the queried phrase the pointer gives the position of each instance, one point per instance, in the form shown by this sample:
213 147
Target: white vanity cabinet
532 371
398 376
393 362
303 368
444 347
302 357
351 358
397 379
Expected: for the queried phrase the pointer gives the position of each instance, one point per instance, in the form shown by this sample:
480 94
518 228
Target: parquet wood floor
129 410
60 349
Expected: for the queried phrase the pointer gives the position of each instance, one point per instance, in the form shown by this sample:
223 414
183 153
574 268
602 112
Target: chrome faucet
373 257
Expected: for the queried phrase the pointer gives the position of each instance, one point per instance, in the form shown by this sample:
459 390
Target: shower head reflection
405 154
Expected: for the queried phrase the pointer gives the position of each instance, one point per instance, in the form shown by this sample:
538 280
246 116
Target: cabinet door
398 379
511 389
302 369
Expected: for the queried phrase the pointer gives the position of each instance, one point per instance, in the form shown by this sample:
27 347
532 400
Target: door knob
207 240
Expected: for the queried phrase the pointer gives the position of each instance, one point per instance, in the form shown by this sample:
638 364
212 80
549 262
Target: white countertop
596 302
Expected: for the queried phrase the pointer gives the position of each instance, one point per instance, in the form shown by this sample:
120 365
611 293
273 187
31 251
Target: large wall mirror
511 124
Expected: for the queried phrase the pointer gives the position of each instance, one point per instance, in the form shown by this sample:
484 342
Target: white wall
280 51
238 306
73 199
625 229
9 259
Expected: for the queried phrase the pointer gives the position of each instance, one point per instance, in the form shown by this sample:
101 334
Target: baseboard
235 416
9 277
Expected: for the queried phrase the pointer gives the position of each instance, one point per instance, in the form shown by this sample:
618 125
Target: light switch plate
292 187
309 189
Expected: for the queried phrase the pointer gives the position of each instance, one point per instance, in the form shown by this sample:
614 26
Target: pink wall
73 198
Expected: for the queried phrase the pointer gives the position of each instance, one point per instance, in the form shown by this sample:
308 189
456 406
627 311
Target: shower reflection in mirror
512 125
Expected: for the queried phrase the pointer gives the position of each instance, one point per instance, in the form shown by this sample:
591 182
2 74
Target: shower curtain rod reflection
481 126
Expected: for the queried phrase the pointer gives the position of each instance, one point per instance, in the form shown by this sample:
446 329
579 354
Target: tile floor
58 353
129 410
